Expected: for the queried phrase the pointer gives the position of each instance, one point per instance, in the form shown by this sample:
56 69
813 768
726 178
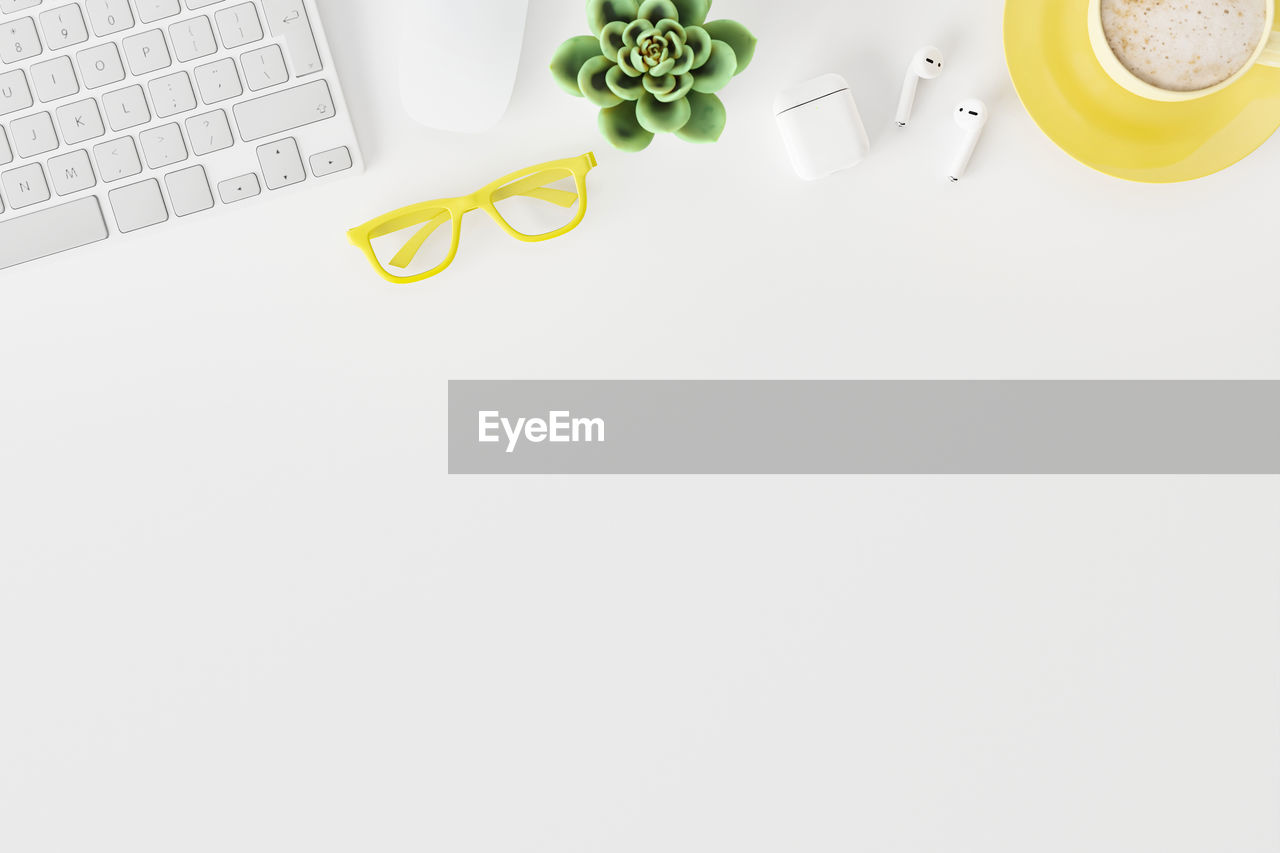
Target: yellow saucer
1106 127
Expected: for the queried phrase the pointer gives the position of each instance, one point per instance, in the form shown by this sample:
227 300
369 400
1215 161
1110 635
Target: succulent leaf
620 126
684 64
666 27
684 83
693 12
593 81
662 68
716 73
601 12
707 120
699 43
631 35
624 62
611 38
737 37
655 10
569 59
659 117
625 87
660 85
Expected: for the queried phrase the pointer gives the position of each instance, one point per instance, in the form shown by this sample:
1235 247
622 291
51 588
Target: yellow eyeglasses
532 205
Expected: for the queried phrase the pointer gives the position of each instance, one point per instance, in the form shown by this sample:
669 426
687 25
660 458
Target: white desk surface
243 608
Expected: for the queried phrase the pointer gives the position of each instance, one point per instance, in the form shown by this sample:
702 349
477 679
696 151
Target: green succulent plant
654 67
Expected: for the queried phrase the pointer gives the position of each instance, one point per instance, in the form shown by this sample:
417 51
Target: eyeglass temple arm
410 249
532 187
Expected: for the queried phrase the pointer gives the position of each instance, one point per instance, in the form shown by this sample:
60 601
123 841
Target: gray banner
864 428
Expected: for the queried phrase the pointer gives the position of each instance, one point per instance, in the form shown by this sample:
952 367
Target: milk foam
1184 45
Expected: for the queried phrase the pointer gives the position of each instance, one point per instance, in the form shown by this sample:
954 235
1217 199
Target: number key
109 16
18 40
63 27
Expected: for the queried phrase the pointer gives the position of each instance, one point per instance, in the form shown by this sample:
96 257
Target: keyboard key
193 39
147 52
34 134
8 6
63 27
209 132
200 4
71 173
239 189
288 19
50 231
189 191
285 110
163 146
219 81
18 40
264 68
282 164
126 108
117 160
80 121
25 186
54 79
14 92
108 17
138 206
239 25
6 153
172 94
331 162
100 66
150 11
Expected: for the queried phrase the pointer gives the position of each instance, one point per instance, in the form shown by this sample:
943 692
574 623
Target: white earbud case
821 127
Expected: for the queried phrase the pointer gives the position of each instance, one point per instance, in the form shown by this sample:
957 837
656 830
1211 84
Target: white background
242 607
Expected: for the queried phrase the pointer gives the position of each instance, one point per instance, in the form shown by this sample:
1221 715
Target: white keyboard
117 116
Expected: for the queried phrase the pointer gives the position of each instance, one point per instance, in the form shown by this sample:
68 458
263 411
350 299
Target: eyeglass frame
362 236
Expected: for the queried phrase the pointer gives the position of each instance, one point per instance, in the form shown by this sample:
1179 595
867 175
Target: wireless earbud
926 65
971 117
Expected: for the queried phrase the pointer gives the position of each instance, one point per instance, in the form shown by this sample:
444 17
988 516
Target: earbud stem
908 101
966 154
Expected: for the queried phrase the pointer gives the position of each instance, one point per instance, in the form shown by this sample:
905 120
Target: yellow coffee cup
1266 53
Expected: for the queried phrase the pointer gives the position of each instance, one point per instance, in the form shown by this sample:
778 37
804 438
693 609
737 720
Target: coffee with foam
1184 45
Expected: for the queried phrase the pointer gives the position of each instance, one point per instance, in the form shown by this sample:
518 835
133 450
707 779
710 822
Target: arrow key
330 162
239 189
282 164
